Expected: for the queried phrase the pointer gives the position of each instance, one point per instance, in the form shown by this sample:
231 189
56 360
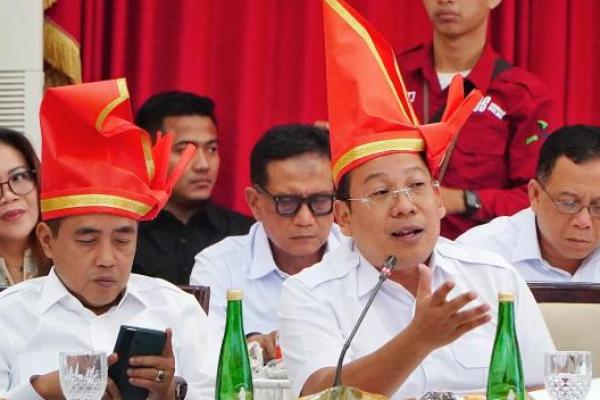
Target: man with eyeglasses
432 325
291 197
558 237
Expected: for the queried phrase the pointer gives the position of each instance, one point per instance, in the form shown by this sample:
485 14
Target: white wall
21 66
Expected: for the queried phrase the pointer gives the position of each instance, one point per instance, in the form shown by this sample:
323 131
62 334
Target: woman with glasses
21 257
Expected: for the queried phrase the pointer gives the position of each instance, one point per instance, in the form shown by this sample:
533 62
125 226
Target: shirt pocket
473 352
481 149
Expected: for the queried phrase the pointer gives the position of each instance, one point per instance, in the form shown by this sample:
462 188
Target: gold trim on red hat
148 158
367 149
94 200
364 34
123 96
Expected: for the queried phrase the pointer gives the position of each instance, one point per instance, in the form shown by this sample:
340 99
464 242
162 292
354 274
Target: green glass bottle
234 376
505 378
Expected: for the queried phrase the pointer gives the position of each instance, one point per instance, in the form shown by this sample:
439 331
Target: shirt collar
527 246
208 213
262 255
212 215
442 257
54 291
368 275
480 75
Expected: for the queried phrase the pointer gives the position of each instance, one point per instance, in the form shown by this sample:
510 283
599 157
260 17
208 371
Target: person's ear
253 201
438 194
534 191
342 213
44 235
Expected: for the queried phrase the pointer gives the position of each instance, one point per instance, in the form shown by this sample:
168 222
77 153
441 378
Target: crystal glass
83 376
568 374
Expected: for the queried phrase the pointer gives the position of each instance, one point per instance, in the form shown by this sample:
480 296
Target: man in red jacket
496 152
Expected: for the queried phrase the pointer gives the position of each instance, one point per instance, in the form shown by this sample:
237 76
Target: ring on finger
160 376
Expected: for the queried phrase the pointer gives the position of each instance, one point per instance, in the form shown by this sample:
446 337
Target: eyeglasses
20 182
572 207
387 197
288 205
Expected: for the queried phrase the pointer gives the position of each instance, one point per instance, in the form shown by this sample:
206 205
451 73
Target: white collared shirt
246 263
516 239
320 306
39 318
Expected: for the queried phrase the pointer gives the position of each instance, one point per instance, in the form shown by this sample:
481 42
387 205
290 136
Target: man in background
496 151
558 237
190 221
291 197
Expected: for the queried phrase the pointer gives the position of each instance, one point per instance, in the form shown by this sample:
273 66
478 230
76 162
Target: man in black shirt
190 221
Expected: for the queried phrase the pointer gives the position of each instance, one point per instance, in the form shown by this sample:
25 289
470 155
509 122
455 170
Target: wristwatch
180 389
472 202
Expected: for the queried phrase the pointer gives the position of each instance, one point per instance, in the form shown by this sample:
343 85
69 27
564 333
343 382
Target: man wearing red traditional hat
497 149
416 337
100 175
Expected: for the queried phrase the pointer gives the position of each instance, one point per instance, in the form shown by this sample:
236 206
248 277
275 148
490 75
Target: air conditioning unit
21 66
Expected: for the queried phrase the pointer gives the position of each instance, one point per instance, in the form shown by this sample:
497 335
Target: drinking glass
568 374
83 375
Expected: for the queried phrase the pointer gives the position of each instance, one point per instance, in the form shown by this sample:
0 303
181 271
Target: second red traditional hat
369 111
95 160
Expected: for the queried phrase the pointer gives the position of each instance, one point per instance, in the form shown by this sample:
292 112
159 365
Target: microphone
386 270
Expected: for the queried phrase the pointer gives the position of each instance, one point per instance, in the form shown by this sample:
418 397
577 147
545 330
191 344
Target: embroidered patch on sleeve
542 124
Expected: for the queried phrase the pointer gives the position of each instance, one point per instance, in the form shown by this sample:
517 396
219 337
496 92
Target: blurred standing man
417 337
190 221
497 149
558 237
100 175
292 199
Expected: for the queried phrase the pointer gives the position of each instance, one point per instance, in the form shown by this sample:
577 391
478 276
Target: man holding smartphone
100 177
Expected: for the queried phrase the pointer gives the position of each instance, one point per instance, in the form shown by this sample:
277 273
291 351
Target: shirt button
183 240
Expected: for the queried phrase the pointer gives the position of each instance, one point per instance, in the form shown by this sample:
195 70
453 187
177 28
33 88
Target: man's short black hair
172 104
286 141
579 143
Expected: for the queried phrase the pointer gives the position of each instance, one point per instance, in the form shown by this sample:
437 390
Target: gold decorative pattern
94 200
148 158
123 95
367 149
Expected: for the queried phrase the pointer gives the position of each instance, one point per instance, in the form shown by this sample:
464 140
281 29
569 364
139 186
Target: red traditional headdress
95 160
369 111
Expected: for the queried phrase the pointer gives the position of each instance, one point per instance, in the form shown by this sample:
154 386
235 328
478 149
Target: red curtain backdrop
263 60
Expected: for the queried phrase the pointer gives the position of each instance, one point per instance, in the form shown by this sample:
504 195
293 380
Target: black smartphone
134 341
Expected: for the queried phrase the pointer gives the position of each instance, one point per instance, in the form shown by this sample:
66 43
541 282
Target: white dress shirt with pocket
516 239
40 318
320 306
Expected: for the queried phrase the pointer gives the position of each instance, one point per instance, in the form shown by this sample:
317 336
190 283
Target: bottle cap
234 294
506 296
